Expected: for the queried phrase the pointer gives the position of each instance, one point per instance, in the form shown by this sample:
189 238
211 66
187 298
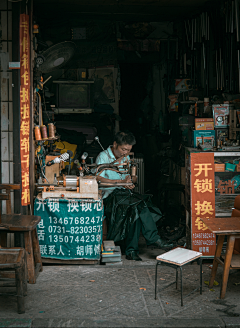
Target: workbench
70 230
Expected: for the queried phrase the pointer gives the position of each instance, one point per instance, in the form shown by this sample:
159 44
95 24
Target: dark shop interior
166 74
120 162
152 68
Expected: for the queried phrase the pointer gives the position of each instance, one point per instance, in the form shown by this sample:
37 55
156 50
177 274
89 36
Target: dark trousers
149 231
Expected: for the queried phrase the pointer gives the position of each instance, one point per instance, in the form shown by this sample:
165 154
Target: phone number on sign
204 242
73 239
74 230
76 220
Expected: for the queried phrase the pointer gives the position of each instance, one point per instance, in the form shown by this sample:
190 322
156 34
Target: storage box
204 124
221 115
219 167
203 137
230 167
222 133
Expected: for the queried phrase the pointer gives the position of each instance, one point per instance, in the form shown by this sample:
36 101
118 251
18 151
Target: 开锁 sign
69 228
203 202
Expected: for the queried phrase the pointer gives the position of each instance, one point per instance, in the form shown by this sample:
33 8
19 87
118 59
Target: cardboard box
221 115
230 167
203 138
204 124
219 167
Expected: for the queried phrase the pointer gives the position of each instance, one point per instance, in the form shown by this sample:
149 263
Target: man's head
123 142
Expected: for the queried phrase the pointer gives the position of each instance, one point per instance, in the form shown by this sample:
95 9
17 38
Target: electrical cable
42 170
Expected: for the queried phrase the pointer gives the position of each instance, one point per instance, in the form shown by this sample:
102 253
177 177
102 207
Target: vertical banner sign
24 106
203 202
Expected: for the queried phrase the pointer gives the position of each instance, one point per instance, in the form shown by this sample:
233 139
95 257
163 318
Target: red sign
24 106
226 187
203 202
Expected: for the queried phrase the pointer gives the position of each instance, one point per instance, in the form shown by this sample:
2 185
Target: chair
236 212
177 258
14 259
231 259
26 224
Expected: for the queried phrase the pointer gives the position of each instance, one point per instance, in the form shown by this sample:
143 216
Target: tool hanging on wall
196 46
238 40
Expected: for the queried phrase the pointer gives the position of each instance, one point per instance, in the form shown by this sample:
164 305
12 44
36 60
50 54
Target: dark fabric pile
123 207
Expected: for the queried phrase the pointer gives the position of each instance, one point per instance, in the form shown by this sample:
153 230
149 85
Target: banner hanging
203 202
24 106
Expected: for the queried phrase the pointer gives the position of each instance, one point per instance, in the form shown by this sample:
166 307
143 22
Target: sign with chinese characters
69 229
24 106
203 202
226 187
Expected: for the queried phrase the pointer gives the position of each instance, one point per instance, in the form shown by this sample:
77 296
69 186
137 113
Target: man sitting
127 213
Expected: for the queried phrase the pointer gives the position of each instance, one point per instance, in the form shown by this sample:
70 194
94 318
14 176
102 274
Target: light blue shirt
107 156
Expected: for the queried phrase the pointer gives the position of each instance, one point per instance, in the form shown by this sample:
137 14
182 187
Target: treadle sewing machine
85 185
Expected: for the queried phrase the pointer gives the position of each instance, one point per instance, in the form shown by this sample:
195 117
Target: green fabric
69 229
129 213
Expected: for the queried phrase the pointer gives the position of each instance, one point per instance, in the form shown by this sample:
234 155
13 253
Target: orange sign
226 187
24 106
203 202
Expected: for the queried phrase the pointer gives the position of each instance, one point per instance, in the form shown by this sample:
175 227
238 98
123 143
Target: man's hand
128 180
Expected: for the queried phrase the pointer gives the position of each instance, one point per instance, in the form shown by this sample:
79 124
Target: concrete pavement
123 296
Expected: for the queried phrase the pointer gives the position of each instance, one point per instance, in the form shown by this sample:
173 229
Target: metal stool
177 258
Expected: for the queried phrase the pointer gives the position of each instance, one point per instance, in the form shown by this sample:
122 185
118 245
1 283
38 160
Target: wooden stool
177 258
26 224
15 259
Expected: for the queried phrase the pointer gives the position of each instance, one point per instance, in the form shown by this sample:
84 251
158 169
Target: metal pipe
114 184
200 276
109 169
156 281
237 18
181 287
108 166
238 39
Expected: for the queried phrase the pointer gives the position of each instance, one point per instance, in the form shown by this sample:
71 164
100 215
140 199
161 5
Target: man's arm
102 179
134 180
102 159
